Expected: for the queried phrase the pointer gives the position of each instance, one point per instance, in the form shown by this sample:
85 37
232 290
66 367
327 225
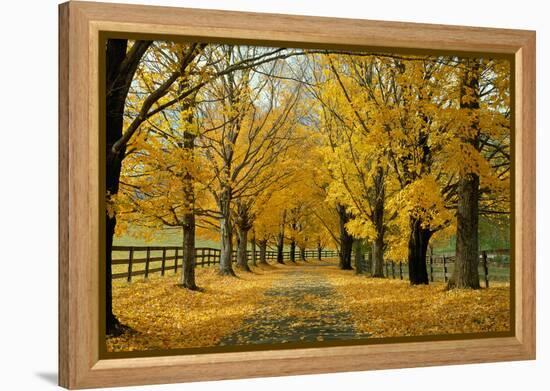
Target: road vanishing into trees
301 306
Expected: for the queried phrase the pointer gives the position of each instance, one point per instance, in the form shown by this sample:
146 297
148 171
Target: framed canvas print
247 195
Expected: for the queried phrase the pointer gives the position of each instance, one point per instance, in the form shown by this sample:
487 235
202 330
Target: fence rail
440 267
171 258
146 260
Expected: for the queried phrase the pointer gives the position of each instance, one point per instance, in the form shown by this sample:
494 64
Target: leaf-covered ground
300 307
313 301
165 316
393 308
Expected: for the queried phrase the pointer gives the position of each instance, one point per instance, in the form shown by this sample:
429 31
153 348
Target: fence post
163 265
130 259
147 258
485 268
176 260
400 270
431 268
444 268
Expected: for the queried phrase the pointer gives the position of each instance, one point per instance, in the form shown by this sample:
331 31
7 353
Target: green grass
173 237
494 233
167 237
496 273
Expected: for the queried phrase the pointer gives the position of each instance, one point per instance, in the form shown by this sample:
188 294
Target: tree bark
346 240
188 145
263 250
378 257
226 235
121 66
188 273
418 248
292 250
319 251
253 245
370 263
302 253
358 256
281 239
188 260
465 272
378 220
114 327
242 253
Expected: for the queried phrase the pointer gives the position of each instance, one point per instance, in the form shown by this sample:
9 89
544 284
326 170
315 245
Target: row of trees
261 147
416 147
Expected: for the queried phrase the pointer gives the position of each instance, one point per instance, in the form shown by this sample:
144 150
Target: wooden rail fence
160 259
440 267
171 258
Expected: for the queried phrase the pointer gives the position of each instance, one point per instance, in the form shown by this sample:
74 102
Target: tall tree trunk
346 240
319 250
188 256
280 248
418 248
226 235
358 256
378 257
114 327
370 263
188 145
302 253
253 245
378 220
263 250
293 250
242 253
188 274
465 272
281 239
121 66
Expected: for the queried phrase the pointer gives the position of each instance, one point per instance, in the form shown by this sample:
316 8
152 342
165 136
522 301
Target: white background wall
28 193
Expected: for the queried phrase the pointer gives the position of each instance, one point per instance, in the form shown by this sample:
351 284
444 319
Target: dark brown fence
146 260
494 265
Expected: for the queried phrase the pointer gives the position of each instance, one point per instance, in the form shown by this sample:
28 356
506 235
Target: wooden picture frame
79 31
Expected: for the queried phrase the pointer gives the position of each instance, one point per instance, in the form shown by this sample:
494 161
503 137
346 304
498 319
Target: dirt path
301 306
